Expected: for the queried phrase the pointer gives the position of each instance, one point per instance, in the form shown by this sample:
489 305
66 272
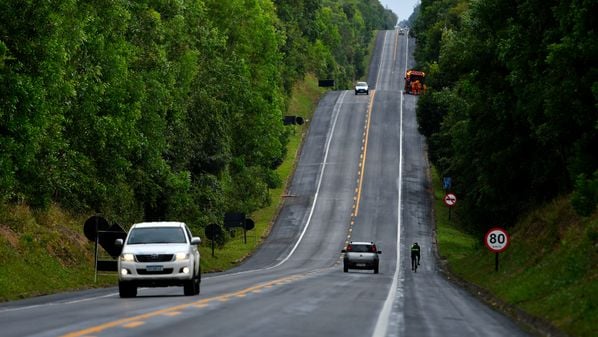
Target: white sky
402 8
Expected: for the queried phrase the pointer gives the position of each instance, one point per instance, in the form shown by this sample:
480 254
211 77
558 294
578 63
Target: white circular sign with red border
450 199
497 240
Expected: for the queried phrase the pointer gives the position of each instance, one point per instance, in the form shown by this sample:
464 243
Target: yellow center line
135 321
365 151
172 314
133 324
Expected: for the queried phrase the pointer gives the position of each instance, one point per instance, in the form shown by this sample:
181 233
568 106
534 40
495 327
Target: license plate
360 264
154 268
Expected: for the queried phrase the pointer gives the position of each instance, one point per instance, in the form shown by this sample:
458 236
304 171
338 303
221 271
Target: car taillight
349 248
374 248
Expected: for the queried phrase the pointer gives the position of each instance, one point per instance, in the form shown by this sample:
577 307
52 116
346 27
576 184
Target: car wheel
367 93
376 269
198 282
127 289
355 93
196 287
189 287
345 268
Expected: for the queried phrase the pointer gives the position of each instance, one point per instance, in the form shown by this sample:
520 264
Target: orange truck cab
414 82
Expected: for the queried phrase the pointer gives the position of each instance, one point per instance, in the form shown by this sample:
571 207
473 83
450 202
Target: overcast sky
402 8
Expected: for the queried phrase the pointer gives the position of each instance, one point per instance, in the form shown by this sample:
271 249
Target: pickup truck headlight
182 256
127 257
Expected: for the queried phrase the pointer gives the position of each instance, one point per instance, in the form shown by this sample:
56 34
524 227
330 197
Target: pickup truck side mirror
118 242
195 240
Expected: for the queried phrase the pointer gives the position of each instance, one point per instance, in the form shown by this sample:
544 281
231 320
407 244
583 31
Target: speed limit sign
497 240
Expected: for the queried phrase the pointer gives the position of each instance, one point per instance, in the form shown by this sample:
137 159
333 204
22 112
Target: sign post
497 240
450 200
98 230
213 232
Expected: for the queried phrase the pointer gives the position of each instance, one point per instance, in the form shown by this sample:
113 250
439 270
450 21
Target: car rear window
360 248
157 235
361 84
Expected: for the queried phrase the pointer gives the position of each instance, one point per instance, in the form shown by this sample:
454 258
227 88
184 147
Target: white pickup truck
159 254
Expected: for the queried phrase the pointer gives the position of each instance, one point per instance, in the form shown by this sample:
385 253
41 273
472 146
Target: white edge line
57 303
336 111
381 55
384 317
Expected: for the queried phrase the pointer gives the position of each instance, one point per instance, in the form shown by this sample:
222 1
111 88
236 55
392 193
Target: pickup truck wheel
127 289
189 287
196 288
198 283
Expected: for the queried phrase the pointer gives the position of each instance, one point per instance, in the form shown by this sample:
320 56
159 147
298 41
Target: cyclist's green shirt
415 250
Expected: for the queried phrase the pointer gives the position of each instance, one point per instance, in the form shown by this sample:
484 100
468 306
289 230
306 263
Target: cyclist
415 256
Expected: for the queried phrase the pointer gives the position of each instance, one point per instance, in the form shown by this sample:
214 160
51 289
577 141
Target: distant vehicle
362 88
414 82
361 255
401 31
159 254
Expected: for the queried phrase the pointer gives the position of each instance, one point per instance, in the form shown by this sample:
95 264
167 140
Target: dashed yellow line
172 314
365 151
361 169
133 325
139 320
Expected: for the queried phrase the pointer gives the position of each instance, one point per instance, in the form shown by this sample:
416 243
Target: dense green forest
511 113
158 109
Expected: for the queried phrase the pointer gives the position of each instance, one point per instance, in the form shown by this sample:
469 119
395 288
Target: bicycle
414 263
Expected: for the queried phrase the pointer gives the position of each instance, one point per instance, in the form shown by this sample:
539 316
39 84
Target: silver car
159 254
361 255
362 88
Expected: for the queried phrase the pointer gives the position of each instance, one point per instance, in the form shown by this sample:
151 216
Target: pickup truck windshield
157 235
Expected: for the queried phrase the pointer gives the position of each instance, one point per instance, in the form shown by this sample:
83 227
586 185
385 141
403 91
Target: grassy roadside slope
43 252
550 270
47 252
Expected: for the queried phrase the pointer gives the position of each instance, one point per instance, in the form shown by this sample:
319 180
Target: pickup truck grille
155 257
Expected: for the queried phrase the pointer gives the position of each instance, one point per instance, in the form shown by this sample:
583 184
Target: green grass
549 270
43 252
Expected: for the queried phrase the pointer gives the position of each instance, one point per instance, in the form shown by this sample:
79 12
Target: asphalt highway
363 176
